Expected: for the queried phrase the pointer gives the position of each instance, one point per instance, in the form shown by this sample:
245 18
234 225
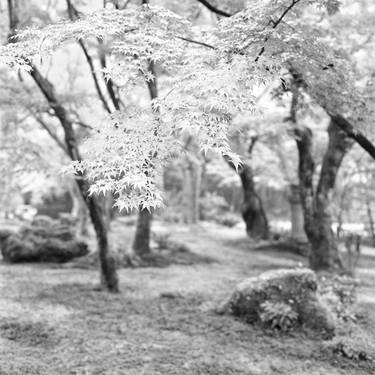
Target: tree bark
108 269
79 210
317 214
370 219
192 187
141 244
107 201
107 263
252 210
297 222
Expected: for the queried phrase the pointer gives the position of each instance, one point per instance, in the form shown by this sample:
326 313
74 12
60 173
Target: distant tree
252 209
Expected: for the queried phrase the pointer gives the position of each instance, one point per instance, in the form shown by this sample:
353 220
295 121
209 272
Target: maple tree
209 75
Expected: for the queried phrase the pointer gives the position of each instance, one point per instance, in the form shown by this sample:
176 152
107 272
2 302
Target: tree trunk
317 214
79 209
109 276
108 270
297 223
252 209
141 244
109 211
192 187
370 219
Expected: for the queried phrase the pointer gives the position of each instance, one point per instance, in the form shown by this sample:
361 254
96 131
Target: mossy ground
52 321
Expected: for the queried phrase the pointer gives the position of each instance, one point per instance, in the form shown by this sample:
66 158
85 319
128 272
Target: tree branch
253 141
354 134
214 9
197 42
287 10
51 133
339 120
108 82
73 15
275 24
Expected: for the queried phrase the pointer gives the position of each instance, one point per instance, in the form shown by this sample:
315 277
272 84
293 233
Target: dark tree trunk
318 223
141 244
252 208
107 263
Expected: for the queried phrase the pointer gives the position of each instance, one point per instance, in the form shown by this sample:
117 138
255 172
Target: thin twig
52 134
197 42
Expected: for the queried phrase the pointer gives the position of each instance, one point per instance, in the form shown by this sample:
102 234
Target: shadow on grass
287 247
28 333
157 259
167 258
180 329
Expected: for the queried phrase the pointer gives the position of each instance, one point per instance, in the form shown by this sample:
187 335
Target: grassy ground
52 321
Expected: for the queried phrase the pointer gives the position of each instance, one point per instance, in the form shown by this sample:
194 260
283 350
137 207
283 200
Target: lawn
53 321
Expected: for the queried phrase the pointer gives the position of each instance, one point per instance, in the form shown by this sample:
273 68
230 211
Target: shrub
172 215
278 315
228 219
212 206
164 242
356 346
339 293
161 239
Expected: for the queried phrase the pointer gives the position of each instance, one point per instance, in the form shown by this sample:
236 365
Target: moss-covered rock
46 227
4 234
44 240
296 288
32 248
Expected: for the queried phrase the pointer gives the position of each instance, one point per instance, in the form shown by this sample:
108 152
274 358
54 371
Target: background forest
180 148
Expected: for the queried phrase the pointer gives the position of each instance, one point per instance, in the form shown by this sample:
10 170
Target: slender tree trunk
79 210
141 244
107 263
196 174
297 222
317 214
192 188
252 209
109 212
370 220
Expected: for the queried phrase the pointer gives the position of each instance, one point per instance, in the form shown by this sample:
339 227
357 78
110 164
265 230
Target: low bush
278 315
339 293
354 345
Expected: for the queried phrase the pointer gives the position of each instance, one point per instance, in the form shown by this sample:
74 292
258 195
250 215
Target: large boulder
4 234
44 240
288 292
